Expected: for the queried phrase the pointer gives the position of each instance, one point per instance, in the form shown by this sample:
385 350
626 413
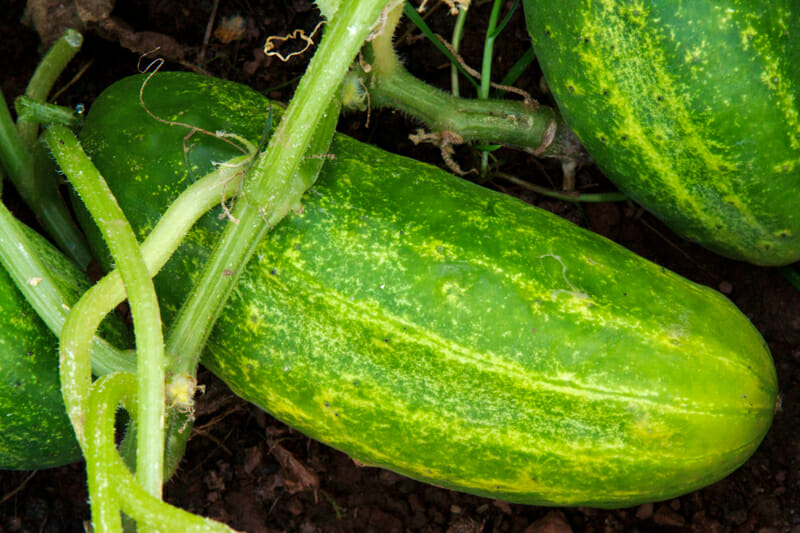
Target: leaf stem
107 392
35 181
33 110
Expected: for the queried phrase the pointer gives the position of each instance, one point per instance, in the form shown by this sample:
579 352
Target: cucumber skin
452 334
691 108
35 432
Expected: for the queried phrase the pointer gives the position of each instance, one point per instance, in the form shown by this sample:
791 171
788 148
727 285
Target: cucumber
691 108
421 323
35 432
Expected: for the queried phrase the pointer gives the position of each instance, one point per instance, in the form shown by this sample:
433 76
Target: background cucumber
35 431
450 333
691 108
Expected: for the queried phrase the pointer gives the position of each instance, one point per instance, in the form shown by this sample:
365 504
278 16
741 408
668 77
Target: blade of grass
500 27
410 12
518 68
458 31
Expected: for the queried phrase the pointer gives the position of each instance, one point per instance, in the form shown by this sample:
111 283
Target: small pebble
665 516
552 522
725 287
645 511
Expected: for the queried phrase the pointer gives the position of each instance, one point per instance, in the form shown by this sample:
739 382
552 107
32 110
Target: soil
247 469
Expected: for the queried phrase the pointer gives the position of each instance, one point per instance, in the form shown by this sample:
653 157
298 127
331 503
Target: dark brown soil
245 468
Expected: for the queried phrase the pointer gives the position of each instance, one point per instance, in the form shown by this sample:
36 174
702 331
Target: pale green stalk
44 77
116 481
124 248
31 172
106 394
37 283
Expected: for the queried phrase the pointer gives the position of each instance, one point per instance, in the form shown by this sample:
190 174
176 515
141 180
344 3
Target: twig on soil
211 18
19 487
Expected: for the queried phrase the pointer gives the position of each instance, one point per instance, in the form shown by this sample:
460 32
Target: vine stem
535 128
109 475
44 77
271 187
574 197
30 171
124 248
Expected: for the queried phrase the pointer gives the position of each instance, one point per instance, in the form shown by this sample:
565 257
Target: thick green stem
272 184
529 126
46 74
124 248
276 181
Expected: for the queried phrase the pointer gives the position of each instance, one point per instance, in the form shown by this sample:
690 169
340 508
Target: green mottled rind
35 431
691 108
453 334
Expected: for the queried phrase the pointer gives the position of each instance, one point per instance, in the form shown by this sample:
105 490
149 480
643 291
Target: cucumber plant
650 397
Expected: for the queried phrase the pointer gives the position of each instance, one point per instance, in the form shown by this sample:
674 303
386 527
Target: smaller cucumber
35 432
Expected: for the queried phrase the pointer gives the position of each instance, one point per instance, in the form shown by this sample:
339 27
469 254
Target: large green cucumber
691 108
456 335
